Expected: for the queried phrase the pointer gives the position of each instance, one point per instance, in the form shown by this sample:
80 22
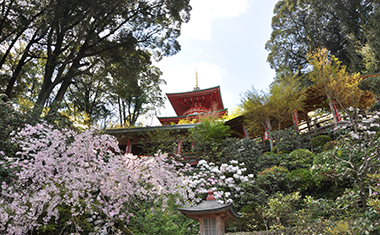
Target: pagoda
194 104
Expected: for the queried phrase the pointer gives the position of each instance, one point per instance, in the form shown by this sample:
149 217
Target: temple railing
316 127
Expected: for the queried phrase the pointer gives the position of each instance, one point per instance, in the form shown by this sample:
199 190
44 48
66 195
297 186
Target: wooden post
308 122
269 126
295 118
334 111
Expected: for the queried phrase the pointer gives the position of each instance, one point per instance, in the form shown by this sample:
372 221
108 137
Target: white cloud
204 11
181 78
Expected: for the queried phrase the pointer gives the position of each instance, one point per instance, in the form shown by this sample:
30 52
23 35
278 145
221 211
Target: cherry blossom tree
86 173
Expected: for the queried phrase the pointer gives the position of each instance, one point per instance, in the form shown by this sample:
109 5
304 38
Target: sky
224 42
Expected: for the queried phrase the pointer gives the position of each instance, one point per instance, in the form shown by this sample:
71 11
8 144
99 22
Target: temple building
195 104
188 105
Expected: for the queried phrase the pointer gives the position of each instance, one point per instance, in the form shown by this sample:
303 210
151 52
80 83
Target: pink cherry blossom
86 172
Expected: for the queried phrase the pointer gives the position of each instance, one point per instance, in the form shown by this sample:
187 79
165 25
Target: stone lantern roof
210 207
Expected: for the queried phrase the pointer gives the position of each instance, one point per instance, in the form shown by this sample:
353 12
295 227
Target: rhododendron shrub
83 172
227 181
358 153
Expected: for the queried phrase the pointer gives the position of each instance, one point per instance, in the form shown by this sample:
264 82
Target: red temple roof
197 101
191 104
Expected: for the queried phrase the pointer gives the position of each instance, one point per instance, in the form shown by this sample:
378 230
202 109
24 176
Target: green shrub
250 220
324 158
300 158
272 179
208 135
281 210
153 218
327 173
11 120
289 139
318 142
331 145
268 160
302 180
242 150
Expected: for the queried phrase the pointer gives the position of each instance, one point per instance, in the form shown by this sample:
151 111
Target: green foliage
374 200
331 145
331 183
270 110
314 209
350 30
328 175
302 180
281 209
208 136
371 84
10 121
268 160
300 26
289 139
339 228
375 107
210 129
153 218
79 37
63 225
274 150
318 142
242 150
135 89
324 158
164 141
272 179
87 95
300 158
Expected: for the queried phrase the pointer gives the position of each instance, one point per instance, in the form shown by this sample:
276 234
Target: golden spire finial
196 80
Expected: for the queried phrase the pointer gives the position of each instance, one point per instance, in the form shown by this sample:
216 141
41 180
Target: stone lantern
211 215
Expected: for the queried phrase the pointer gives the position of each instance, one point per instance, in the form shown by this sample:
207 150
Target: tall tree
70 32
134 84
336 82
299 26
143 97
89 94
269 111
285 98
372 84
17 19
256 105
348 29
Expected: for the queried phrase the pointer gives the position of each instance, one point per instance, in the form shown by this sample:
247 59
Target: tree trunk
120 225
19 66
123 111
269 126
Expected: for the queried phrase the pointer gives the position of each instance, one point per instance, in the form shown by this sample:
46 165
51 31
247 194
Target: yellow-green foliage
186 121
79 118
374 201
339 228
335 81
281 208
